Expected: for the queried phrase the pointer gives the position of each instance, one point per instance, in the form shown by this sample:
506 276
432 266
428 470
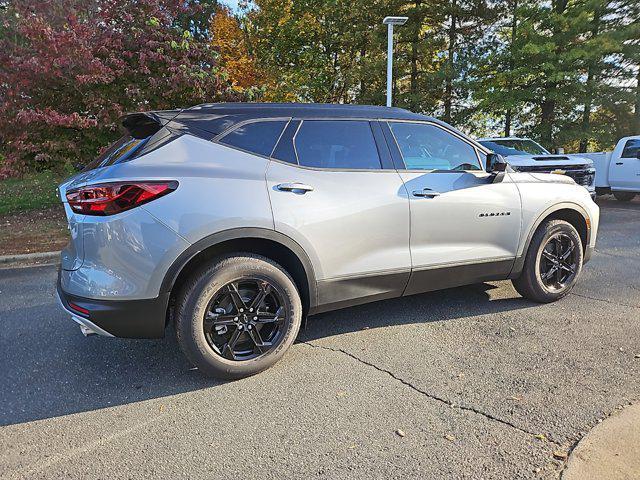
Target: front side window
631 149
337 144
427 147
255 137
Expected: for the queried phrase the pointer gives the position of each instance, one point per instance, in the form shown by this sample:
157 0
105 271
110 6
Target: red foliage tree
70 68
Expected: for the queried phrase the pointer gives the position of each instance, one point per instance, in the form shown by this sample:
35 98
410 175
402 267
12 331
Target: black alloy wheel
552 264
245 319
558 262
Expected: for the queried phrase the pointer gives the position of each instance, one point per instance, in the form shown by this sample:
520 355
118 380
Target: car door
624 169
331 193
464 226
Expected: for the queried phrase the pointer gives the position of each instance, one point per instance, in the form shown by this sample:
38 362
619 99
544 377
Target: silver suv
235 221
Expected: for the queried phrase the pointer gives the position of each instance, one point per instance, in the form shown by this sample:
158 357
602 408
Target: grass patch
31 192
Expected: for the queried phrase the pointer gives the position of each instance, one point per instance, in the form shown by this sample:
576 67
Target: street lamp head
395 20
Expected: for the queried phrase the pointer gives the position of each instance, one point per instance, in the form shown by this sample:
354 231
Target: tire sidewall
211 280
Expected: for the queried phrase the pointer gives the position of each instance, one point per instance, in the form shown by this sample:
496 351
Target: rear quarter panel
219 187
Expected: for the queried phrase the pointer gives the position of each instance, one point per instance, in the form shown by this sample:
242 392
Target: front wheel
552 263
238 316
624 196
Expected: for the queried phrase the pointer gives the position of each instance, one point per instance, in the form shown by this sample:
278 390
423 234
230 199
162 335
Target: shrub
69 69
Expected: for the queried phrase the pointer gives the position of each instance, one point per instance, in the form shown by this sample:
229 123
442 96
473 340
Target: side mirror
496 166
496 163
558 151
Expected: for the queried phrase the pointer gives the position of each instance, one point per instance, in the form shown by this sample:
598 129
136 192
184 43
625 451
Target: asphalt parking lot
471 382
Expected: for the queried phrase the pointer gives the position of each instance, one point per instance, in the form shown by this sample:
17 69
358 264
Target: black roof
210 119
302 110
217 117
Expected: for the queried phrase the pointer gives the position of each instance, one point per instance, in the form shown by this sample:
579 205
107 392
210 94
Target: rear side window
337 144
631 149
255 137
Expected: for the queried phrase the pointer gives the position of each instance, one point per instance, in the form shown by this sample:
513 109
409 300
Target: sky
231 3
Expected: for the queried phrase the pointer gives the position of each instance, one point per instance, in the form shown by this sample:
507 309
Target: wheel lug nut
255 318
251 309
236 319
241 310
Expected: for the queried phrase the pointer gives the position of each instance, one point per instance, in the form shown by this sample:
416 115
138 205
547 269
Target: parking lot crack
431 396
605 300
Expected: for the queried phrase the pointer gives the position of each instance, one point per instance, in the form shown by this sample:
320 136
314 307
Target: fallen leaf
449 437
400 433
559 455
540 436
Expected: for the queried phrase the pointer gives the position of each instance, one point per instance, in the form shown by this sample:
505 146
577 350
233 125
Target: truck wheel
624 196
552 263
238 316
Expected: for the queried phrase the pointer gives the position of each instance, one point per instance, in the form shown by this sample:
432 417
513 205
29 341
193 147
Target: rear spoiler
144 124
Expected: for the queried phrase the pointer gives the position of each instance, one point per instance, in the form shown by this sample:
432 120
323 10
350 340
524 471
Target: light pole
390 22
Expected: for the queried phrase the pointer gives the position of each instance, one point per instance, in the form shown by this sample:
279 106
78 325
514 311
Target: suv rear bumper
118 318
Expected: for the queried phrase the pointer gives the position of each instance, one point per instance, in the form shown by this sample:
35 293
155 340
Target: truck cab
618 172
526 155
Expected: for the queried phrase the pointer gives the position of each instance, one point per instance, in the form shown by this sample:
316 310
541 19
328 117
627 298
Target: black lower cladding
123 318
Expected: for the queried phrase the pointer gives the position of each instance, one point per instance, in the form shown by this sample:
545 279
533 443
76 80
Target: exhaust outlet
86 331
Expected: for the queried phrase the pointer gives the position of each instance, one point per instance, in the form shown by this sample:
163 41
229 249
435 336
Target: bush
69 69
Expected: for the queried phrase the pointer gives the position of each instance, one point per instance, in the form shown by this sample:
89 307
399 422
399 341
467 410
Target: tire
624 196
530 284
212 286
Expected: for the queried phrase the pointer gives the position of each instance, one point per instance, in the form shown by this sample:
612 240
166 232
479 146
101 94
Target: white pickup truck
526 155
618 172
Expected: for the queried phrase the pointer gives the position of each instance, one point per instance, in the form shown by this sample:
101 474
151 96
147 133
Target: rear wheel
238 316
624 196
552 263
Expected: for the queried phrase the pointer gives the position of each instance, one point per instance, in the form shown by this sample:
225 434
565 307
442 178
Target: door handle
294 187
426 192
619 163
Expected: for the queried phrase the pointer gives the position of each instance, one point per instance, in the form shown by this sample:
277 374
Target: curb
30 258
609 450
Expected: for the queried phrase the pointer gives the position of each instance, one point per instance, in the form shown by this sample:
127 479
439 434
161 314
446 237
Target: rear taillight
116 197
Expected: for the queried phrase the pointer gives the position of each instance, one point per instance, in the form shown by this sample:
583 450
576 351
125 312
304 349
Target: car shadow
51 370
437 306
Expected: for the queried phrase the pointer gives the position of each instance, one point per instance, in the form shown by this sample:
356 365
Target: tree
230 42
70 68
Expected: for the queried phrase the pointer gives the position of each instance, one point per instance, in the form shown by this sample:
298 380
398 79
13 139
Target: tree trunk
448 89
637 108
586 112
514 25
548 105
547 118
413 88
507 123
363 84
589 87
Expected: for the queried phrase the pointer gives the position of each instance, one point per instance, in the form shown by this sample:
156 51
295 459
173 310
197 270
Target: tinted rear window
120 151
337 144
255 137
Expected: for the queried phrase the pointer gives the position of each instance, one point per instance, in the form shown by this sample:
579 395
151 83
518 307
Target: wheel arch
269 243
570 212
